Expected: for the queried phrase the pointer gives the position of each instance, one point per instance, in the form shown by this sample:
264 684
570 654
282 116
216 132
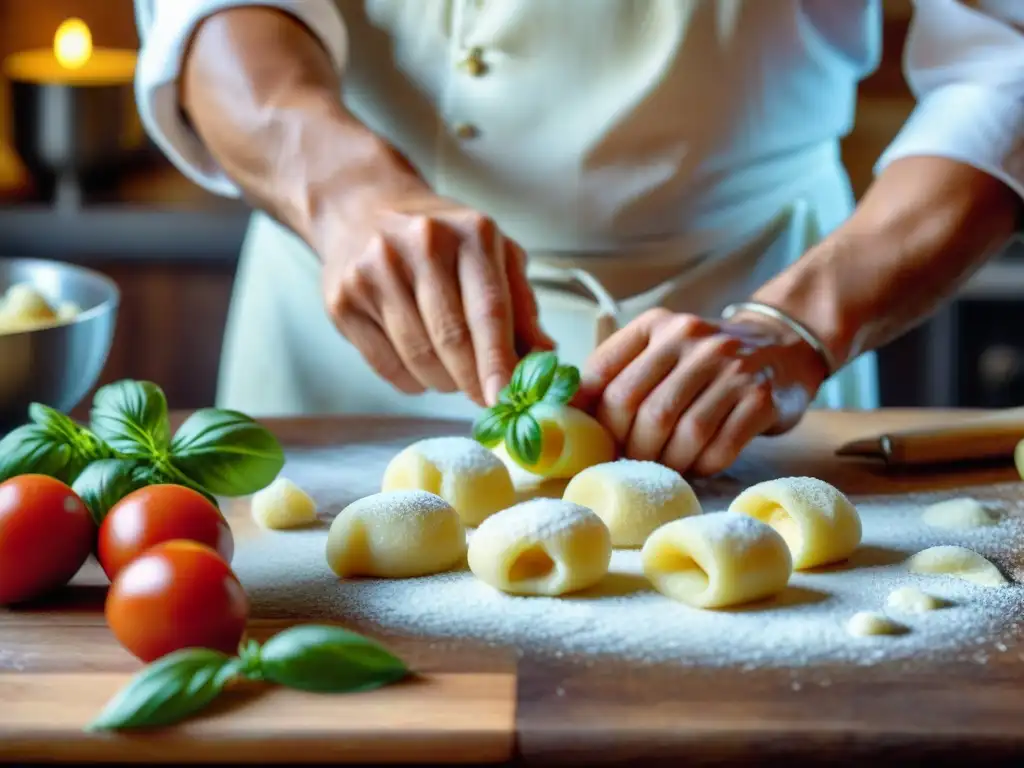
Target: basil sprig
321 659
128 444
537 379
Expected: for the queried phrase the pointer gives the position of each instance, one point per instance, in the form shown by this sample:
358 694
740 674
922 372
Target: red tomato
159 513
46 534
178 594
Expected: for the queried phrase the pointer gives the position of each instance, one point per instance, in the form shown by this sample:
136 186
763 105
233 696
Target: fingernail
493 388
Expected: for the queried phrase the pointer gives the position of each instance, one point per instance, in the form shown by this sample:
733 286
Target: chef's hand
428 290
692 393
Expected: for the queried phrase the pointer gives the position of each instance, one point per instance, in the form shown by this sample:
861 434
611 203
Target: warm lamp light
72 44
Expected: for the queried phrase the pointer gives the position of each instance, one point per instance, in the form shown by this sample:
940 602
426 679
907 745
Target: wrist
329 165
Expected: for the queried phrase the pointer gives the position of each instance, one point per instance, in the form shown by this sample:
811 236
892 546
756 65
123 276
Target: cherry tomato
178 594
46 534
159 513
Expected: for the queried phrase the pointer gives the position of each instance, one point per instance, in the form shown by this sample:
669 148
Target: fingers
753 416
700 423
622 398
612 357
440 305
488 308
401 320
367 337
525 316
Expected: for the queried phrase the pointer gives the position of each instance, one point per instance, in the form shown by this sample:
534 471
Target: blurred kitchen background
173 248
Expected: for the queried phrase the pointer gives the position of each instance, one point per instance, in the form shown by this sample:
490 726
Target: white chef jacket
593 123
598 126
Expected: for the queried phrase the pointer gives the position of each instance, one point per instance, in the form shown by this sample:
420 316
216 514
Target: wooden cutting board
473 704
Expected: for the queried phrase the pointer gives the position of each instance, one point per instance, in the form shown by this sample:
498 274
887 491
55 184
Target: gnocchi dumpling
571 441
541 547
872 623
459 470
398 534
634 498
717 560
820 525
912 600
960 562
958 514
282 505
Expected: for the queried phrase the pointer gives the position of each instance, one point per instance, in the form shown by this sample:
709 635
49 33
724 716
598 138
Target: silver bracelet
798 328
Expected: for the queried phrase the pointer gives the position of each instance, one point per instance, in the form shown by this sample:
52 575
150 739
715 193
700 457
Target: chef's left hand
692 393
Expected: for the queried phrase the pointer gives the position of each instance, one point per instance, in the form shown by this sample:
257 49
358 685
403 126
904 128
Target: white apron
283 356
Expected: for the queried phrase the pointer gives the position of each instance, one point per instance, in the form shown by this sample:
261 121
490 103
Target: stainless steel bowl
55 366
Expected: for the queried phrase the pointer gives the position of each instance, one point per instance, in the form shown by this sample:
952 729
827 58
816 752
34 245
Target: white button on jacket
607 128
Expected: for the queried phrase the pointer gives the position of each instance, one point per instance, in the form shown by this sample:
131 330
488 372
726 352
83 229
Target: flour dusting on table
286 575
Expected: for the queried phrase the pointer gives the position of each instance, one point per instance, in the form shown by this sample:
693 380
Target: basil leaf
532 377
226 452
564 385
523 439
84 445
131 416
105 482
489 429
328 660
168 690
32 449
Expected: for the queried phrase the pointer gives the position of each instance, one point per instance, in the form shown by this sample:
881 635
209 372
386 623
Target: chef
651 187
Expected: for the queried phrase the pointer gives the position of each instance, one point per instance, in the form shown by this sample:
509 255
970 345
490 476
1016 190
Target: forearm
262 94
922 229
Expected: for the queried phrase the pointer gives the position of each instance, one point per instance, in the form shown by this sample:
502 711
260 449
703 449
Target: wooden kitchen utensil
984 438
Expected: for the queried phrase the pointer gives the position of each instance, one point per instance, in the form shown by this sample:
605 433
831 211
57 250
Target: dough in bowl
818 522
541 547
459 470
398 534
634 498
717 560
571 441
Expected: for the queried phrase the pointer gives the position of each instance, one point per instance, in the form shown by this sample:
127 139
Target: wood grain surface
476 704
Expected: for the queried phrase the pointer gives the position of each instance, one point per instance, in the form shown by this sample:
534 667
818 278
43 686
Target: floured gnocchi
459 470
960 562
870 623
818 522
958 515
282 505
634 498
912 600
541 547
396 534
571 441
717 560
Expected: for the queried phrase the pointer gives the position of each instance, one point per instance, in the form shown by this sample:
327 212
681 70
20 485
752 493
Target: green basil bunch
538 378
321 659
128 445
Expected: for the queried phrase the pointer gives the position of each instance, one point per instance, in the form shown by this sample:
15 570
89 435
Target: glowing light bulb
72 44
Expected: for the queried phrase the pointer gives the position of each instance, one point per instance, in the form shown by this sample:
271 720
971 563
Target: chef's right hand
428 290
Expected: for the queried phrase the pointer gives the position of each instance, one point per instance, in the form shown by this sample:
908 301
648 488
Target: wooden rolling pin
978 439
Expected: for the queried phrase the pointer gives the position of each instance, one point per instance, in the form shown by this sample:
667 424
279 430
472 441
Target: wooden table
59 663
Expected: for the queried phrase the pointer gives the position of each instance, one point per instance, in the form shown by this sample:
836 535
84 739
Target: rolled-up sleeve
165 28
964 62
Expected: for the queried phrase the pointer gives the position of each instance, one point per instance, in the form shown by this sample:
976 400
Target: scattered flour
741 532
401 507
457 455
538 519
286 575
655 481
